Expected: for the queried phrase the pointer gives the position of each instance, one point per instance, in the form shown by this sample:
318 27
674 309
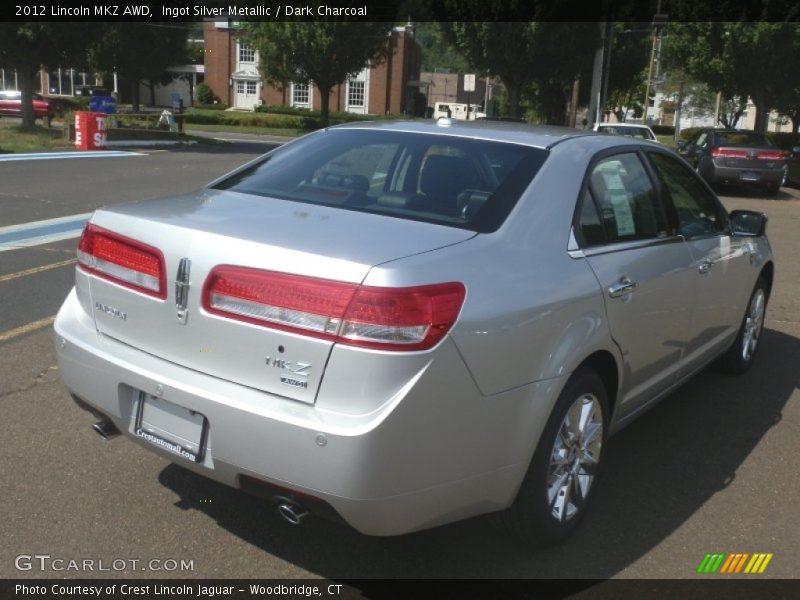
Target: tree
27 47
139 52
437 51
325 52
740 59
630 49
527 56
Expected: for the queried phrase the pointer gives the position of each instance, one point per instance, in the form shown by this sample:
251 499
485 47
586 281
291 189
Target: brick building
231 70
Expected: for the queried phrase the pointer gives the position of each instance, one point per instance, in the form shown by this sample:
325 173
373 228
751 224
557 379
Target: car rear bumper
436 452
745 176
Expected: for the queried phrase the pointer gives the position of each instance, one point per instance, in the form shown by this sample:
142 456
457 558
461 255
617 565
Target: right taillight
410 318
122 260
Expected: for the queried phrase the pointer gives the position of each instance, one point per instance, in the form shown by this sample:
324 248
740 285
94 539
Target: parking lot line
42 232
70 154
33 326
35 270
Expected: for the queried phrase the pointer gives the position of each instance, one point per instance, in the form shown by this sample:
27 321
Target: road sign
469 82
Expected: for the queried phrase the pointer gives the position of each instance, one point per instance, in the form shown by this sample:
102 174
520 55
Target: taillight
770 155
728 153
122 260
412 318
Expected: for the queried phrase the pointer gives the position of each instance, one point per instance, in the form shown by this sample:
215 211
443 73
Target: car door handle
624 287
705 267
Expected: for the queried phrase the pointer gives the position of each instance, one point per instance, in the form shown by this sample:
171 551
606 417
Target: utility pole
658 21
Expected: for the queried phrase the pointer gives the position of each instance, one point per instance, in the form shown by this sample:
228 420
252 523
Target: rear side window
460 182
625 199
697 210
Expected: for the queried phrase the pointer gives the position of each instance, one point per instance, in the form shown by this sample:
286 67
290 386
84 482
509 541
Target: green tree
325 53
527 56
139 52
740 59
627 71
437 51
27 47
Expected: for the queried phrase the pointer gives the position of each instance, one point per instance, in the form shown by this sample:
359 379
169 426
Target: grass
667 140
14 139
279 131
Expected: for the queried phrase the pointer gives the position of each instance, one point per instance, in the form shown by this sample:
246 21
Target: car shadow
658 473
749 193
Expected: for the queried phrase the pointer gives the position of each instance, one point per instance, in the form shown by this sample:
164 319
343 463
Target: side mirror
681 146
748 223
795 150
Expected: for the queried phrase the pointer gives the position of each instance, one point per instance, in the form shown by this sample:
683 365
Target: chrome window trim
631 245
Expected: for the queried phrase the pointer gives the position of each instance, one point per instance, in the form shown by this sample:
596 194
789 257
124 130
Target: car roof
537 136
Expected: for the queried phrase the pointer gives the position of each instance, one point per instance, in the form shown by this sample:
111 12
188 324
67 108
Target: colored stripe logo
734 563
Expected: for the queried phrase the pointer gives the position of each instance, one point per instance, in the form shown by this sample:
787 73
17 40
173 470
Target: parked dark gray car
729 156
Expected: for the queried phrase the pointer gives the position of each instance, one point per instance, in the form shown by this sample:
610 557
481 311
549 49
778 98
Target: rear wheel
556 491
740 355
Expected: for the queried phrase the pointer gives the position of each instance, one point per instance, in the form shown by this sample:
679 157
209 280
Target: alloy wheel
574 458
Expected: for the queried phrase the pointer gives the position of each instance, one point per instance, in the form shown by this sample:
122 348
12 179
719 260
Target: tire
562 476
739 357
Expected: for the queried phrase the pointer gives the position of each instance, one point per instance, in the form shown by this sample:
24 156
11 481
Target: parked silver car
405 324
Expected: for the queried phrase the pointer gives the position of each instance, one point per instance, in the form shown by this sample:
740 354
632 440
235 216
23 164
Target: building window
251 87
240 87
355 93
301 95
246 54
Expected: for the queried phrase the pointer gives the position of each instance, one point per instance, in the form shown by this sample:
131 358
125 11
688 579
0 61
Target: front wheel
555 493
740 355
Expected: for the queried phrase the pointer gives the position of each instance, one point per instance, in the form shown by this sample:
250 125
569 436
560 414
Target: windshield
460 182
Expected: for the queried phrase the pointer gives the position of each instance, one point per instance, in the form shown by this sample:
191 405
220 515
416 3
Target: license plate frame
176 429
749 176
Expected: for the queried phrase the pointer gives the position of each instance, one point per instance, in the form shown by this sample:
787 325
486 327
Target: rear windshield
460 182
742 138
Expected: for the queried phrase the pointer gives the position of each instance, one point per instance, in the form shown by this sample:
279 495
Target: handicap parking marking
42 232
68 154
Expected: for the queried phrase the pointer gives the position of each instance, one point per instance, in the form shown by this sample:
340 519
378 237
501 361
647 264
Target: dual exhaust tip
289 510
105 429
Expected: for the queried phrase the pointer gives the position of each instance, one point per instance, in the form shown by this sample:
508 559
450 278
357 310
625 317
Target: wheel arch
768 275
605 365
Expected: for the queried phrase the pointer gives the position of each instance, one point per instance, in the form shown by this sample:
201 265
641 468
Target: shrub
204 94
663 129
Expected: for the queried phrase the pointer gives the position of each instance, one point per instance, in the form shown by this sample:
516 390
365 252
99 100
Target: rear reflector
122 260
728 153
413 318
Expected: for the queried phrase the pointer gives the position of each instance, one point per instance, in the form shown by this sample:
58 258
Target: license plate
749 176
171 427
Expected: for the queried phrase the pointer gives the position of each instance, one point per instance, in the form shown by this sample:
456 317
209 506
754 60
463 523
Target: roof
640 125
538 136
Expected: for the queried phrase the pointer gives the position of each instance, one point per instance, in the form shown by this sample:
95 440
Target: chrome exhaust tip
105 429
291 512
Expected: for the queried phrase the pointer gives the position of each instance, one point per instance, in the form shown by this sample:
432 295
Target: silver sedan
401 325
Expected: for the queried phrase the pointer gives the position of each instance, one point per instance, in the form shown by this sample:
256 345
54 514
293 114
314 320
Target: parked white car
634 130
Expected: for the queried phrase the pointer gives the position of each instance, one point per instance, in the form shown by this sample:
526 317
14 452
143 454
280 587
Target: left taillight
122 260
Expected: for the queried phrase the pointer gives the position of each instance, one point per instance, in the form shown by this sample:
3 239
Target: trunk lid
212 228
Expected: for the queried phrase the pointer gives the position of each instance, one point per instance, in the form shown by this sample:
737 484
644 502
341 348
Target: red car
11 106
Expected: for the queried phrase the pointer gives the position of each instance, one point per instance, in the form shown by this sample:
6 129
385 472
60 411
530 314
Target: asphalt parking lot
711 469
